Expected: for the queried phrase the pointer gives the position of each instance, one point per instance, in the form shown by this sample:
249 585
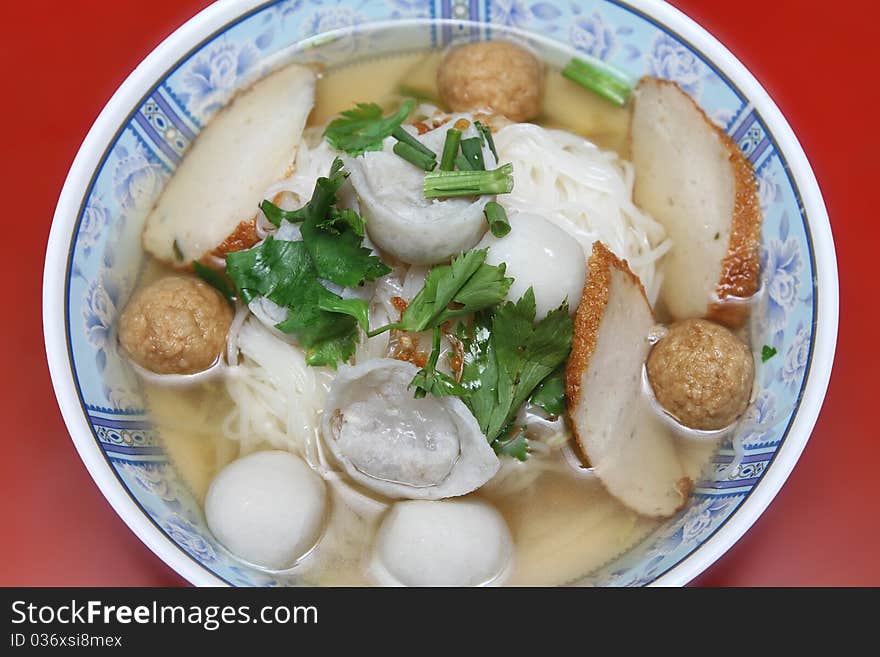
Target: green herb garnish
450 149
430 380
516 446
364 128
497 218
599 78
507 355
401 135
317 208
767 352
463 164
290 273
283 272
441 184
276 215
550 395
472 150
339 256
336 220
415 157
463 287
215 279
178 254
333 237
486 134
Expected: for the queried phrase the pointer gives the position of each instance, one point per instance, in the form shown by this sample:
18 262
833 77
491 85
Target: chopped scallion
486 134
400 134
463 163
497 218
414 156
469 183
472 150
450 149
599 78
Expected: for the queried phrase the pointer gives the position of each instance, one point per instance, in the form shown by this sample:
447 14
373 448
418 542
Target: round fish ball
442 543
702 374
175 325
267 508
497 75
541 255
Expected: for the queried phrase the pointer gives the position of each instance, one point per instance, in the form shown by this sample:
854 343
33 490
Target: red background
63 60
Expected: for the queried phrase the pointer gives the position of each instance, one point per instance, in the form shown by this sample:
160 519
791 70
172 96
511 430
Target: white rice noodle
413 281
584 190
241 314
270 314
278 397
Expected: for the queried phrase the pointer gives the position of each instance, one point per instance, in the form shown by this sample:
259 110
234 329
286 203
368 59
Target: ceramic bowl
140 136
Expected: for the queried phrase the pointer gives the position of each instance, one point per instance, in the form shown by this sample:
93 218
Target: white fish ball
540 254
442 543
267 508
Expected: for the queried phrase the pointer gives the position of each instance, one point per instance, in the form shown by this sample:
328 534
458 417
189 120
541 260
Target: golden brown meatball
176 325
492 74
702 374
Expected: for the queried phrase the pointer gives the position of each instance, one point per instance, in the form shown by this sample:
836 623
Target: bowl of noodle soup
154 448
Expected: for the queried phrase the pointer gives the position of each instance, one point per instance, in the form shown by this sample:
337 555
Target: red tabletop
62 62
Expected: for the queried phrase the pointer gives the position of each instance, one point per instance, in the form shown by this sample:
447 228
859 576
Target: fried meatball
702 374
176 325
492 74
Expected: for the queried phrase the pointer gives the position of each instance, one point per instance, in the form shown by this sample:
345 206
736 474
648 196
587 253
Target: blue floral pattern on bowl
105 256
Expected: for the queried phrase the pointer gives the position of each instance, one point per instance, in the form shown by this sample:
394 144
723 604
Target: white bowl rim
220 14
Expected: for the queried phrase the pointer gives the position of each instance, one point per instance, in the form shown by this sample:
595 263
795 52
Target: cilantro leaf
550 394
271 269
338 252
290 273
357 308
540 353
333 350
490 388
323 323
767 352
516 446
364 128
430 380
465 286
507 356
333 237
485 288
337 220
